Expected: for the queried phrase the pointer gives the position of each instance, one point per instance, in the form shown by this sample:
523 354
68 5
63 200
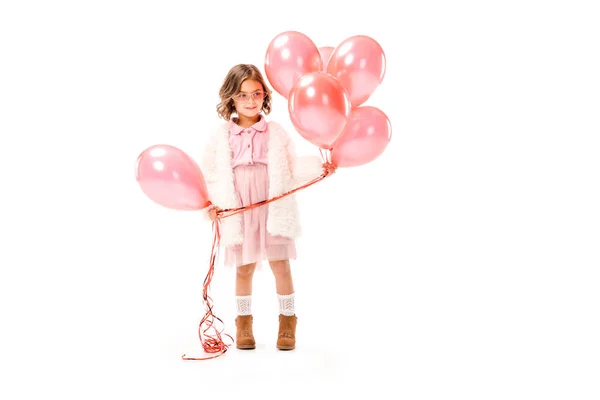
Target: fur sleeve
307 168
207 161
208 168
304 168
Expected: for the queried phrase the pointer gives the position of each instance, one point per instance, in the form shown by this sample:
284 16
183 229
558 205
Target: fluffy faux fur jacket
286 172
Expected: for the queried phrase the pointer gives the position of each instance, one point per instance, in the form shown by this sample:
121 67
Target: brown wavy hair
232 85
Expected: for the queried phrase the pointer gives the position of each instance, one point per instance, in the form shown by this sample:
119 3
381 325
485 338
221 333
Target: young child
248 160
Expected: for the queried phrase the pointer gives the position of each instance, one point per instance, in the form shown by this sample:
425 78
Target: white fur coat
286 172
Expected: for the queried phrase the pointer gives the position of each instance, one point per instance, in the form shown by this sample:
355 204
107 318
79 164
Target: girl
246 161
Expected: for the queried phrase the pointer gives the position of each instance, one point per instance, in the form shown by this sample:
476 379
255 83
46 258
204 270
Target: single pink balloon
325 54
359 64
367 134
319 107
170 178
290 55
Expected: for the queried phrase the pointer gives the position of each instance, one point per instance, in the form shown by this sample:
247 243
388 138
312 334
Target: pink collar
260 126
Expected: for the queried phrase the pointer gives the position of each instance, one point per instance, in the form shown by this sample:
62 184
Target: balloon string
327 156
232 211
211 343
214 343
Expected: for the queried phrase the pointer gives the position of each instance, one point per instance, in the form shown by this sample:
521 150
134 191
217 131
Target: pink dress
249 161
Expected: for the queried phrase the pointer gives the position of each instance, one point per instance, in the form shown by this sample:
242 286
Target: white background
461 264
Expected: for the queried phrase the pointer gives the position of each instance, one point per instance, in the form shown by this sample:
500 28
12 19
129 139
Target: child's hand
213 213
329 168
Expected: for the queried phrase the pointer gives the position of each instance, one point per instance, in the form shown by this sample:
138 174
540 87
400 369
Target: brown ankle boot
286 340
244 336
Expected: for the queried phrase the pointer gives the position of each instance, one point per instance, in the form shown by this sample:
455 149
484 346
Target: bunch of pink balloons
326 88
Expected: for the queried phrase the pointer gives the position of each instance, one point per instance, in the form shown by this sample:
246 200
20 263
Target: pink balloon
359 64
325 54
319 106
367 134
170 178
289 56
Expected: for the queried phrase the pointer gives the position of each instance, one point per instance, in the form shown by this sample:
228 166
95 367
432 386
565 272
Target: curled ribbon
214 344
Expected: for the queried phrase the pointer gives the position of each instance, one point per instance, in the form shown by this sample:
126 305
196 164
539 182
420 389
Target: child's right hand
213 213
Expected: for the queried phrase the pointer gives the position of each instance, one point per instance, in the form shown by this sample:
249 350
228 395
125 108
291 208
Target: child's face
248 102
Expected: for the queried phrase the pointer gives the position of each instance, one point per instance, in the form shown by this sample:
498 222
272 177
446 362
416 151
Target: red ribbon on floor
214 343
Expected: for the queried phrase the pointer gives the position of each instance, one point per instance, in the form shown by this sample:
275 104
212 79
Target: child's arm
307 168
208 166
304 168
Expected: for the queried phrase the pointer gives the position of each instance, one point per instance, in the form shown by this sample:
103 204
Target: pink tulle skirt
252 185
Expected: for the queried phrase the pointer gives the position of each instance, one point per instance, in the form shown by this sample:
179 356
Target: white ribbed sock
286 304
244 305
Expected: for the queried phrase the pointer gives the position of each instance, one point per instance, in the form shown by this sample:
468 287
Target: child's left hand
329 168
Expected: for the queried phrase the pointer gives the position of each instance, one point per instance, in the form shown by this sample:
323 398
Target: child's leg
243 279
284 284
283 277
243 292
